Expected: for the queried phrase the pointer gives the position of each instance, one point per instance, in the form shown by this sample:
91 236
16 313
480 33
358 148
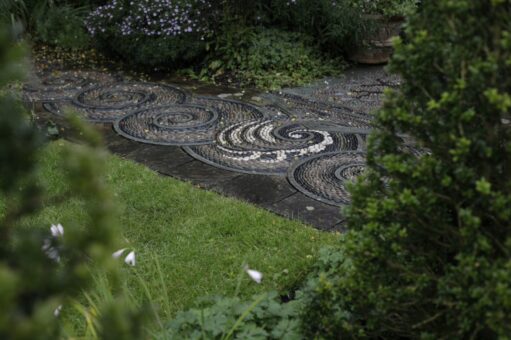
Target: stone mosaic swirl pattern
63 85
269 147
170 125
303 108
325 177
109 102
185 124
315 136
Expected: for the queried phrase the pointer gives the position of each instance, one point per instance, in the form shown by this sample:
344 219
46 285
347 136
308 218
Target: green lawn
199 238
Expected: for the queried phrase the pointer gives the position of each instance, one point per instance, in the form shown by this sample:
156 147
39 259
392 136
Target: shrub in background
62 26
167 33
53 22
39 270
334 25
387 8
428 253
266 58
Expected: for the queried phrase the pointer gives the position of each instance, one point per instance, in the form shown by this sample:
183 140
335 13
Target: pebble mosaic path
291 152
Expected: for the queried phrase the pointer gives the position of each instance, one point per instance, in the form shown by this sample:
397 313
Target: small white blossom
57 310
50 251
118 253
57 230
130 258
254 275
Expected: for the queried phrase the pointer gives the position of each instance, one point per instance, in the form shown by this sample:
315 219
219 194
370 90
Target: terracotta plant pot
377 48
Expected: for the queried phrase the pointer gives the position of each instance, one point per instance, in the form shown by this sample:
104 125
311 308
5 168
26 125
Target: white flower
57 230
57 310
118 253
254 275
130 258
51 252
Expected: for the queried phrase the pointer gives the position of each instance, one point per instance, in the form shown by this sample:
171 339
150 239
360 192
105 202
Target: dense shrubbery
334 25
256 42
152 33
62 26
58 23
175 34
428 253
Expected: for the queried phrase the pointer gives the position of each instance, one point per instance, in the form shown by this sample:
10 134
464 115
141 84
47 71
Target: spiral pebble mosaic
269 146
304 108
316 136
185 124
106 103
170 125
63 85
325 177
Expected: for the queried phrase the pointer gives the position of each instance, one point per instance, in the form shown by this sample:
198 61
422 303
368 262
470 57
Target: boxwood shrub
428 253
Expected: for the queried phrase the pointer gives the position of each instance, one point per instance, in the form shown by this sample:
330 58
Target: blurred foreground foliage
42 272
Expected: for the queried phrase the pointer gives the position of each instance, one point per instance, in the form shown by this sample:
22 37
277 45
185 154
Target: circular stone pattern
107 103
230 111
369 92
310 109
170 125
324 177
63 85
269 147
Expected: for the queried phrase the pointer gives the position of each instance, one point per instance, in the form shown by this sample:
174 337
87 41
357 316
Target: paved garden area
291 152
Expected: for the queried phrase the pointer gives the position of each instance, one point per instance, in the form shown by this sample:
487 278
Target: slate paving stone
299 206
256 189
163 159
201 174
340 227
116 144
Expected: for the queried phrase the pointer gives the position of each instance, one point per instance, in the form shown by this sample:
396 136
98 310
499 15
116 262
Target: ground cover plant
266 58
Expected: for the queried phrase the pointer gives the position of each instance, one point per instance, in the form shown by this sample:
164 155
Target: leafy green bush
334 25
428 253
224 318
53 22
62 26
267 58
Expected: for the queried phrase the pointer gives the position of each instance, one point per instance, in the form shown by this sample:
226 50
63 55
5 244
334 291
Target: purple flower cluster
153 18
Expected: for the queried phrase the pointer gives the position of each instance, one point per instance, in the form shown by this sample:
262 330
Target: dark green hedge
429 249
